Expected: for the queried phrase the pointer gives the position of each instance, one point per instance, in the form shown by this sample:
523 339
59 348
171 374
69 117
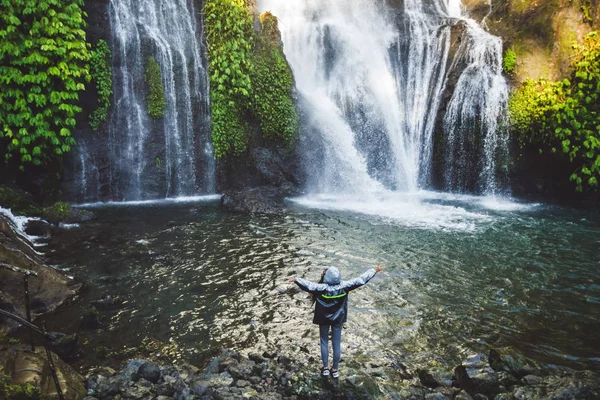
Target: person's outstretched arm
306 285
363 279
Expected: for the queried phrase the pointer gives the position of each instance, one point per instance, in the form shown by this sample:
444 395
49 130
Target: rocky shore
271 376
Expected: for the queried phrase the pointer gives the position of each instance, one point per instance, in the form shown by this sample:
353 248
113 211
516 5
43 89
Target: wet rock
532 380
242 370
107 303
136 392
90 320
149 372
256 358
263 200
463 379
427 379
65 346
242 383
200 387
436 396
269 355
38 228
26 367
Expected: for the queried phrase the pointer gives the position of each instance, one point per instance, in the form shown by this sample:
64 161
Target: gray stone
242 383
255 380
463 396
436 396
149 372
200 387
532 380
136 392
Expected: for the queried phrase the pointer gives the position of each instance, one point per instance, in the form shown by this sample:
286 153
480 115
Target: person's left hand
292 279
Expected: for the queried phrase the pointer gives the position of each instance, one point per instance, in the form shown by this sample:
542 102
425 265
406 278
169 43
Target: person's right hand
379 268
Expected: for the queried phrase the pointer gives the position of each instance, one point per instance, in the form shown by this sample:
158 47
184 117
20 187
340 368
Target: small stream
463 273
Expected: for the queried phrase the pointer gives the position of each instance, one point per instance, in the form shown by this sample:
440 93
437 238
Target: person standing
331 309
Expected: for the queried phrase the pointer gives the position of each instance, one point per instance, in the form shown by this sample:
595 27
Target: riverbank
232 375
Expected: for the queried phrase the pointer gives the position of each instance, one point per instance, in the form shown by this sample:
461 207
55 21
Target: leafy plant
14 340
43 67
566 115
509 62
156 92
273 83
27 391
229 38
101 71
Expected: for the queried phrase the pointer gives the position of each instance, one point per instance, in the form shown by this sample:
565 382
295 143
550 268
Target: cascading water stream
372 79
165 31
146 158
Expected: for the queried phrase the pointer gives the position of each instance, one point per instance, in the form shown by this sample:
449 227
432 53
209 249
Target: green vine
43 67
101 70
566 115
229 38
509 62
273 83
156 93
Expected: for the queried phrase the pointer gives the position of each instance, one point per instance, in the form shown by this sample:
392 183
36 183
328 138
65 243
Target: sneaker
324 371
335 374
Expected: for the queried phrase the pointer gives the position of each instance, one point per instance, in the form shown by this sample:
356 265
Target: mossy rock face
17 203
541 33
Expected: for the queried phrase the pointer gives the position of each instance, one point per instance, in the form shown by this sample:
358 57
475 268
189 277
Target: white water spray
167 31
373 79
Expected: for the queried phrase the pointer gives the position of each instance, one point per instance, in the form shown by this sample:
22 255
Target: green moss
17 203
509 62
272 84
565 114
27 391
58 212
101 71
156 93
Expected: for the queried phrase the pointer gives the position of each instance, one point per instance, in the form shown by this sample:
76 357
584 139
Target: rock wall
47 291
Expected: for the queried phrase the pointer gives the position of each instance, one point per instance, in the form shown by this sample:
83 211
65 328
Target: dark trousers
336 343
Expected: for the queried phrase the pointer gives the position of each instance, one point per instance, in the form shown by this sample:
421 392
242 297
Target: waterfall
476 113
145 158
372 79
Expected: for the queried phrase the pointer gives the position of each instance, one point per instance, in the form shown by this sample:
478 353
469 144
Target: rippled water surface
462 273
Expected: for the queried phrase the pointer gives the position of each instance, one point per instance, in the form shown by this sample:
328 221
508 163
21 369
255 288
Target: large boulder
26 367
49 289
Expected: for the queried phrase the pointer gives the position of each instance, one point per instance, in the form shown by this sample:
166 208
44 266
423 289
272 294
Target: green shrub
229 39
509 62
101 71
156 93
566 115
272 84
43 67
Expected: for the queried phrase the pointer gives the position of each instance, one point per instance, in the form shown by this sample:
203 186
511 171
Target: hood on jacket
332 276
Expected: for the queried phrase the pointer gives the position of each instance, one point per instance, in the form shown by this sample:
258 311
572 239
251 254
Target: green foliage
509 62
273 82
58 212
18 392
43 67
101 71
14 340
587 9
229 38
566 114
156 92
